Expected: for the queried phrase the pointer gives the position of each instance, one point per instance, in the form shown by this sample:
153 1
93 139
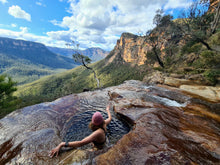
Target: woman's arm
88 139
108 120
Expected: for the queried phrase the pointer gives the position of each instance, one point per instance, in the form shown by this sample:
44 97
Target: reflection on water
77 128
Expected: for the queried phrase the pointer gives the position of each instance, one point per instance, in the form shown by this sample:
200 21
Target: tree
215 21
158 17
84 60
157 37
195 23
155 43
7 87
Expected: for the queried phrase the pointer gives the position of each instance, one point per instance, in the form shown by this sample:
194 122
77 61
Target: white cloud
98 23
3 1
13 25
171 4
40 4
24 30
25 35
66 36
17 12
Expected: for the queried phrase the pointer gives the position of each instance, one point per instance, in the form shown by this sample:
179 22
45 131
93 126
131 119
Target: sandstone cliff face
130 48
133 49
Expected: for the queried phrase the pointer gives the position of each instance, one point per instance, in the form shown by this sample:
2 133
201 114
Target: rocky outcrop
175 80
165 128
155 77
164 134
133 49
130 48
159 137
192 84
208 92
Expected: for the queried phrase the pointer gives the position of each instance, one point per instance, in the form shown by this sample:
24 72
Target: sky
91 23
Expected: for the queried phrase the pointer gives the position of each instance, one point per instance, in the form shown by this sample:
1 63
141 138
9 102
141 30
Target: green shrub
211 76
168 61
191 47
196 48
7 101
215 38
158 68
188 47
151 57
209 59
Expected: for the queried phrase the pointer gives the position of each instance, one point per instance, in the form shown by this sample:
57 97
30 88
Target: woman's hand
107 121
55 151
108 107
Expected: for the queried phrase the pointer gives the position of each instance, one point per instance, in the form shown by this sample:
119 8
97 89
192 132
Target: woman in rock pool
98 137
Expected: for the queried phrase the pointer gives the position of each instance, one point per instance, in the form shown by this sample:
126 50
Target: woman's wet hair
95 127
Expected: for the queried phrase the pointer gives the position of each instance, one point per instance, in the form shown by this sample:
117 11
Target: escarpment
130 48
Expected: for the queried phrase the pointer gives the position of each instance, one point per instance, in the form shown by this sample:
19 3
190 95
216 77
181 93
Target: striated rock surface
156 77
175 80
163 126
191 84
27 135
208 92
177 131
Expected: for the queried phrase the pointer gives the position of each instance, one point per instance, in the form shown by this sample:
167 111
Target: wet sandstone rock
27 135
184 133
167 127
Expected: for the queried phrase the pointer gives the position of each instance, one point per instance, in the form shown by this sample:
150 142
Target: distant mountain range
95 54
34 53
26 61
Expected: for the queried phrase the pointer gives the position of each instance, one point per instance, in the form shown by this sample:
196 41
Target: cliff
130 48
133 49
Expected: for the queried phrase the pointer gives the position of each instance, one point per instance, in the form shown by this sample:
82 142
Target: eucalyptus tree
195 24
158 36
83 60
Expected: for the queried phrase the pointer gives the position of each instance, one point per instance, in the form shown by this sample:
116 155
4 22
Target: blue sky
91 23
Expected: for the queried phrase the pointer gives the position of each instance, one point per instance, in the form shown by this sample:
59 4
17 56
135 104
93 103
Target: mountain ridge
26 61
34 52
94 53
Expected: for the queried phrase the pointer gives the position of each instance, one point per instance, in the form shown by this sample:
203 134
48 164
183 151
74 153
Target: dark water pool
77 127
